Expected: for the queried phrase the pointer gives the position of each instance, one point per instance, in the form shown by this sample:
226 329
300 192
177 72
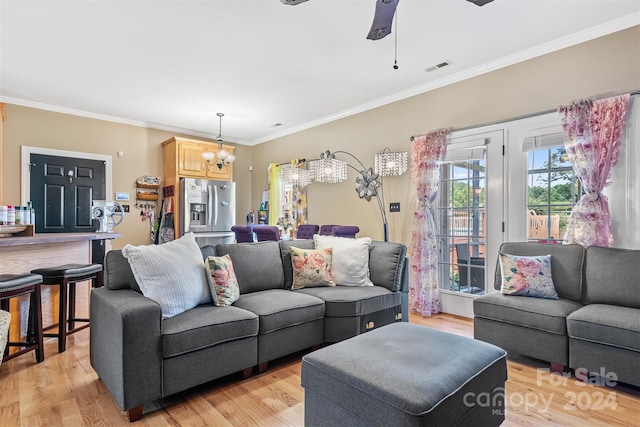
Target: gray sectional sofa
594 326
141 357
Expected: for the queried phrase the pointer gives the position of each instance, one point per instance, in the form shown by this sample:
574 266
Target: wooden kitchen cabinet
190 161
183 158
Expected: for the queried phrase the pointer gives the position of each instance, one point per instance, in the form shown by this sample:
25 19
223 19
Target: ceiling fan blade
478 2
292 2
382 19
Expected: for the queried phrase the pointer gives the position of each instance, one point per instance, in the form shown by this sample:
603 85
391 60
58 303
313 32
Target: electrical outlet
394 207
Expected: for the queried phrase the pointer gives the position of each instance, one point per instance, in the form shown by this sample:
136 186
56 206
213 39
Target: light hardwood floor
65 391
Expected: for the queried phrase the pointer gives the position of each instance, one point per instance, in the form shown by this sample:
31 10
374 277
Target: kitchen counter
44 238
21 254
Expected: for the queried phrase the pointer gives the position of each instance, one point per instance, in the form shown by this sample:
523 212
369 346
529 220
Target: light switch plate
394 207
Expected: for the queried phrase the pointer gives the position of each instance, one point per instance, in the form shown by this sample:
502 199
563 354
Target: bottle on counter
11 215
18 215
32 213
3 215
26 215
23 215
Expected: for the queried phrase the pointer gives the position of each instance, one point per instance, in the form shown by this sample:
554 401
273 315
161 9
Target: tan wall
601 67
142 156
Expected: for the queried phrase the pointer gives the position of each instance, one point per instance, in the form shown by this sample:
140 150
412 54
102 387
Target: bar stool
66 276
14 285
5 322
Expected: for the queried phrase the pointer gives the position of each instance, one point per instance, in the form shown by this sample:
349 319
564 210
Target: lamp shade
389 163
296 176
208 156
328 170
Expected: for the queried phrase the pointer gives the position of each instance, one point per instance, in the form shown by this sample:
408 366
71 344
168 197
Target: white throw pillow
350 263
171 274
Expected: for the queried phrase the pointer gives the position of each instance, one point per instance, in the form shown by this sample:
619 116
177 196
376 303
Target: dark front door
62 189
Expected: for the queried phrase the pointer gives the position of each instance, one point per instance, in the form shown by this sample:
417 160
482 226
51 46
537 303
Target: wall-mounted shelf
147 195
147 189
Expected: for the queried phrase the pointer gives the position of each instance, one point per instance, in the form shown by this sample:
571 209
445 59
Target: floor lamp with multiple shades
328 169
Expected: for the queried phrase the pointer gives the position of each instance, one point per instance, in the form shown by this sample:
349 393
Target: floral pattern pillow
527 276
311 267
222 280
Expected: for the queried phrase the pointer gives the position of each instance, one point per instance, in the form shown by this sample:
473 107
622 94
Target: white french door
470 215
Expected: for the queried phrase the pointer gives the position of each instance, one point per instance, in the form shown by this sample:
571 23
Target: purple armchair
345 231
339 230
306 231
266 232
327 229
243 233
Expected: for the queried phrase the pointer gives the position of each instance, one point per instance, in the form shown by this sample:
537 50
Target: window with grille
461 220
552 188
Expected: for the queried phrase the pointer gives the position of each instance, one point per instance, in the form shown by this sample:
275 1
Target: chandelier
223 158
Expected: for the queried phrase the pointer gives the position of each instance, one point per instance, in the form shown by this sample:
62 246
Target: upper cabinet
183 158
190 161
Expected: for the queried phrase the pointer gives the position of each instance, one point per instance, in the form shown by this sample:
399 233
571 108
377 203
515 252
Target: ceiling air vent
438 66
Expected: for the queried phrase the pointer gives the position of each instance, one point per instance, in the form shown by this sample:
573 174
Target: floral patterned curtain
427 153
592 133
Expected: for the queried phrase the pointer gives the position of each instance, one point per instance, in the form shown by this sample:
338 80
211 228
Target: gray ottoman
405 375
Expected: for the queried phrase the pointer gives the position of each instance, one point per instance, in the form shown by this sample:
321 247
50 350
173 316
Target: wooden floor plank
64 390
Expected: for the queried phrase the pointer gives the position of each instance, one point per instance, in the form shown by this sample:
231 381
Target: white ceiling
174 64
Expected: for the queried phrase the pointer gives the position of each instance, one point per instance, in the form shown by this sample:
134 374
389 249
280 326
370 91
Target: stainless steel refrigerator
208 209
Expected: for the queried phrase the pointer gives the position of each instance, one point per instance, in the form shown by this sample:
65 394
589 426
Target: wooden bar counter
23 251
21 254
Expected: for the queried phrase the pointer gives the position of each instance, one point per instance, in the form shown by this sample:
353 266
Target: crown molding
120 120
536 51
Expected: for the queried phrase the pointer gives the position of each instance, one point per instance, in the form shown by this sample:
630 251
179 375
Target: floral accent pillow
222 280
527 276
311 267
